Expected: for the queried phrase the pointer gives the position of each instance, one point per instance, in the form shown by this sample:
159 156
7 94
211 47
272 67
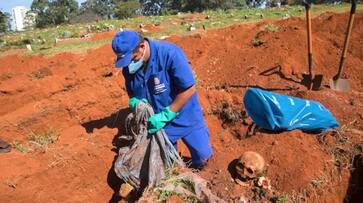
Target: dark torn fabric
146 161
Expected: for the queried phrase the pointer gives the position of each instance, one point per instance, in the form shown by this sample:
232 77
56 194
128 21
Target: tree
86 17
127 9
53 12
4 21
104 8
200 5
41 8
63 10
152 7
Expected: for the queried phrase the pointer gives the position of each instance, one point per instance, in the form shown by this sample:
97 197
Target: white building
18 15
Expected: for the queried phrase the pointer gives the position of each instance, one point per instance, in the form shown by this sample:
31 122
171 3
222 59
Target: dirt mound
103 35
83 98
222 56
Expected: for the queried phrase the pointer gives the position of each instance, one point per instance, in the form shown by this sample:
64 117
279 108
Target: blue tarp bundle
272 111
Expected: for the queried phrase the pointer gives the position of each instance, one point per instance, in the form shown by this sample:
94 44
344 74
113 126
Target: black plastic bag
146 161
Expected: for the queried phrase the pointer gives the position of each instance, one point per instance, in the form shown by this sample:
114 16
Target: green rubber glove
159 120
134 101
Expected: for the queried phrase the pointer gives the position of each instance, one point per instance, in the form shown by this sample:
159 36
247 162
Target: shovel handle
310 45
346 41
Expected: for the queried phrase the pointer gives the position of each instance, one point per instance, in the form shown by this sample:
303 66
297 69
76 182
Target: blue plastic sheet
276 112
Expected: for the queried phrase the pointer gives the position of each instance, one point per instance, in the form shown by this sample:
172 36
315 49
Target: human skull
250 165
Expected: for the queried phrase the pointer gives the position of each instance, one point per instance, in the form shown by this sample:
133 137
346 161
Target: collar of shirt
150 63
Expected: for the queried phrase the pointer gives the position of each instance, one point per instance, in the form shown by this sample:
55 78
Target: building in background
18 15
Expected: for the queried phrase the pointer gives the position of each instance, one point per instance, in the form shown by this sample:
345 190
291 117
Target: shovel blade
307 81
340 85
317 82
312 82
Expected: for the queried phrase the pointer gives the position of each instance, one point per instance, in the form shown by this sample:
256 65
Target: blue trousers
199 146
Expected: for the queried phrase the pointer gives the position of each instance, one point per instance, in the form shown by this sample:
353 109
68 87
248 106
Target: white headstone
29 47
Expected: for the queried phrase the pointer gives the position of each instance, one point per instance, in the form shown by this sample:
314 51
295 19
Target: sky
6 5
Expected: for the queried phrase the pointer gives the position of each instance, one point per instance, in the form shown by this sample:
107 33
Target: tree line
4 21
55 12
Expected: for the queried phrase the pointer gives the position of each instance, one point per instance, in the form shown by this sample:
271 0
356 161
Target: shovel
338 83
309 80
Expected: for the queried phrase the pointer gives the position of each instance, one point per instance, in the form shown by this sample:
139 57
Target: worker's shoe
199 167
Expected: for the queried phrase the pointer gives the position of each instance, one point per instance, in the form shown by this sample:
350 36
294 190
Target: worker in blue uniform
159 73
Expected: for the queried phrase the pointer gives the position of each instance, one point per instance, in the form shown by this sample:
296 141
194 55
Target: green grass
76 46
280 198
20 147
164 195
185 184
43 40
171 178
43 139
37 141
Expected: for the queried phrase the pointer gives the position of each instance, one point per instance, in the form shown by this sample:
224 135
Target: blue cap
123 44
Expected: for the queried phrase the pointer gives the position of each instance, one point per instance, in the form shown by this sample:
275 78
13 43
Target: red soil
103 35
71 93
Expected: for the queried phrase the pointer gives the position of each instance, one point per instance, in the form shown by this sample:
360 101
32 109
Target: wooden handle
346 40
310 44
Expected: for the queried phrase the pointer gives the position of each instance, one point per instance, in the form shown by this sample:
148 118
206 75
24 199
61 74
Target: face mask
134 66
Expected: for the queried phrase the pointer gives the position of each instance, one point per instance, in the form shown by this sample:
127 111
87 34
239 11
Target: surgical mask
136 65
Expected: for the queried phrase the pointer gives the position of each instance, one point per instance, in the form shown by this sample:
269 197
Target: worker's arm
158 121
182 78
182 98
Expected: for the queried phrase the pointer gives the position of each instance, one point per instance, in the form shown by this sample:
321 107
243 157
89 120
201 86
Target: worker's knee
199 146
201 156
